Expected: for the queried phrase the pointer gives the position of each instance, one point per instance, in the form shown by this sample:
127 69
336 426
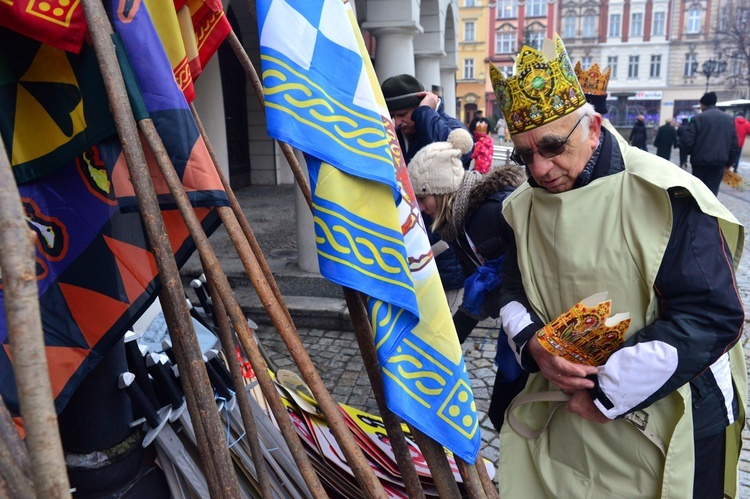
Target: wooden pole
248 421
438 462
217 463
24 322
365 339
474 488
489 488
14 458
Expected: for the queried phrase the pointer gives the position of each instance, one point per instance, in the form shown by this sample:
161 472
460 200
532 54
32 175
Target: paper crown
543 88
481 127
593 80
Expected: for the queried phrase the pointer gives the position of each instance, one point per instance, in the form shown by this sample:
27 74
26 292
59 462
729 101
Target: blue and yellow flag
322 96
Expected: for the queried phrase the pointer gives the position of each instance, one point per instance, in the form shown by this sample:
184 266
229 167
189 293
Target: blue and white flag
322 96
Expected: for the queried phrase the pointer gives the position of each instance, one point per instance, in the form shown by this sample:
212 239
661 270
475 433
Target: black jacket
430 126
638 136
666 139
711 138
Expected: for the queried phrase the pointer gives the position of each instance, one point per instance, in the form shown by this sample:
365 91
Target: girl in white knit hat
466 210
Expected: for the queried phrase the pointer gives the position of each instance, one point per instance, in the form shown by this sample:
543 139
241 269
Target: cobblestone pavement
336 354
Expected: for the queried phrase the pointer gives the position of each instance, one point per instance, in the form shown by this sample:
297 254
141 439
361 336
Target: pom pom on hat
437 167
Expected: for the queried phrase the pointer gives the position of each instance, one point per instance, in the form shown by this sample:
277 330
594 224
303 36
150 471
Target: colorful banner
95 272
322 96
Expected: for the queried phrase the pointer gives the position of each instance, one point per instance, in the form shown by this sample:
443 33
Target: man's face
559 173
402 120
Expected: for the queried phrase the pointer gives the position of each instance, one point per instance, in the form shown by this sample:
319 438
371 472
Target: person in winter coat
638 136
743 128
681 131
466 208
484 146
666 139
500 128
478 118
711 139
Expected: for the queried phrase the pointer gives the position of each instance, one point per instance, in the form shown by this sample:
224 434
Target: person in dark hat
711 140
419 116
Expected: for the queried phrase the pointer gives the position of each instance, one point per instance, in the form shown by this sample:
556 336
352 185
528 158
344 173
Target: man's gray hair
585 113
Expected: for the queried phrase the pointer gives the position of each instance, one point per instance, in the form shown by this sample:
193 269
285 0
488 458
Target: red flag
57 23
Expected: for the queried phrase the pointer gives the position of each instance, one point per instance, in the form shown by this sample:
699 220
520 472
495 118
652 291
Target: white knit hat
437 167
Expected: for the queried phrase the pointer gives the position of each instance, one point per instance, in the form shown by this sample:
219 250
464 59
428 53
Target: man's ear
595 128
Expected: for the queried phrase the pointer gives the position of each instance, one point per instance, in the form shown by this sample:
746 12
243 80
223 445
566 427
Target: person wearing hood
466 209
639 136
743 128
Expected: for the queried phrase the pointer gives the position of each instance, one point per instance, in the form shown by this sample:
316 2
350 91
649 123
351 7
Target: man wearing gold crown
662 416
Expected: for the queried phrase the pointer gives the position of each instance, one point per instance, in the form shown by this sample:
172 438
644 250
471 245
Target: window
468 69
694 21
536 8
658 24
469 31
636 24
612 63
506 43
655 66
586 62
633 66
506 9
589 26
614 25
570 27
535 39
470 3
691 65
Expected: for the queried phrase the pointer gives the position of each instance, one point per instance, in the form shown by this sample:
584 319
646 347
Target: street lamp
713 67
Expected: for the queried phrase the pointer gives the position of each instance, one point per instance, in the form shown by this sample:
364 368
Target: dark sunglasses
549 150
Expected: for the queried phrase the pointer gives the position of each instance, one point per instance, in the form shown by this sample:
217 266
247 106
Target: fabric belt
639 419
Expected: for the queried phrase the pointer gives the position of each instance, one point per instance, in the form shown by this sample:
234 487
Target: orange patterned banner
59 23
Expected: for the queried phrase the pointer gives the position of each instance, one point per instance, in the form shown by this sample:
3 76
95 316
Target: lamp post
713 67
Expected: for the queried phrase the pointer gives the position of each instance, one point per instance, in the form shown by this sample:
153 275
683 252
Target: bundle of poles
37 468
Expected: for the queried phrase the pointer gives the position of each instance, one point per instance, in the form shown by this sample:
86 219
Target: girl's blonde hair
444 213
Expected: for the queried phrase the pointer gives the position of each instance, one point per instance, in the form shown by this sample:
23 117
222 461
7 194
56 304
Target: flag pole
362 471
33 385
217 463
474 486
358 314
484 477
248 421
15 477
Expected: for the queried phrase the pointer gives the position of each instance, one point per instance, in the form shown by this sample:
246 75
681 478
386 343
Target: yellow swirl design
398 256
390 329
333 119
367 261
318 102
348 221
364 271
287 87
357 133
324 227
376 254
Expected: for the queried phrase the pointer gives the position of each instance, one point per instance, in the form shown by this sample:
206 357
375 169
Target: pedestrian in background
639 136
484 147
466 207
743 128
500 129
666 139
681 131
478 118
711 139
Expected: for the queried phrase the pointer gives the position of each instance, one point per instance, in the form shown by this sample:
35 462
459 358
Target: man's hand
568 376
429 99
580 403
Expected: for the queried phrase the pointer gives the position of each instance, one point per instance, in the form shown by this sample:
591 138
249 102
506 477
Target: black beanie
401 91
708 99
599 102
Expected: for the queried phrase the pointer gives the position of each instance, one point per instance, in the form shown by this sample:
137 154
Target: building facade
656 49
472 59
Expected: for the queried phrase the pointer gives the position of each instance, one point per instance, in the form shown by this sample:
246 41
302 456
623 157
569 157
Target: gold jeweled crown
593 80
542 89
